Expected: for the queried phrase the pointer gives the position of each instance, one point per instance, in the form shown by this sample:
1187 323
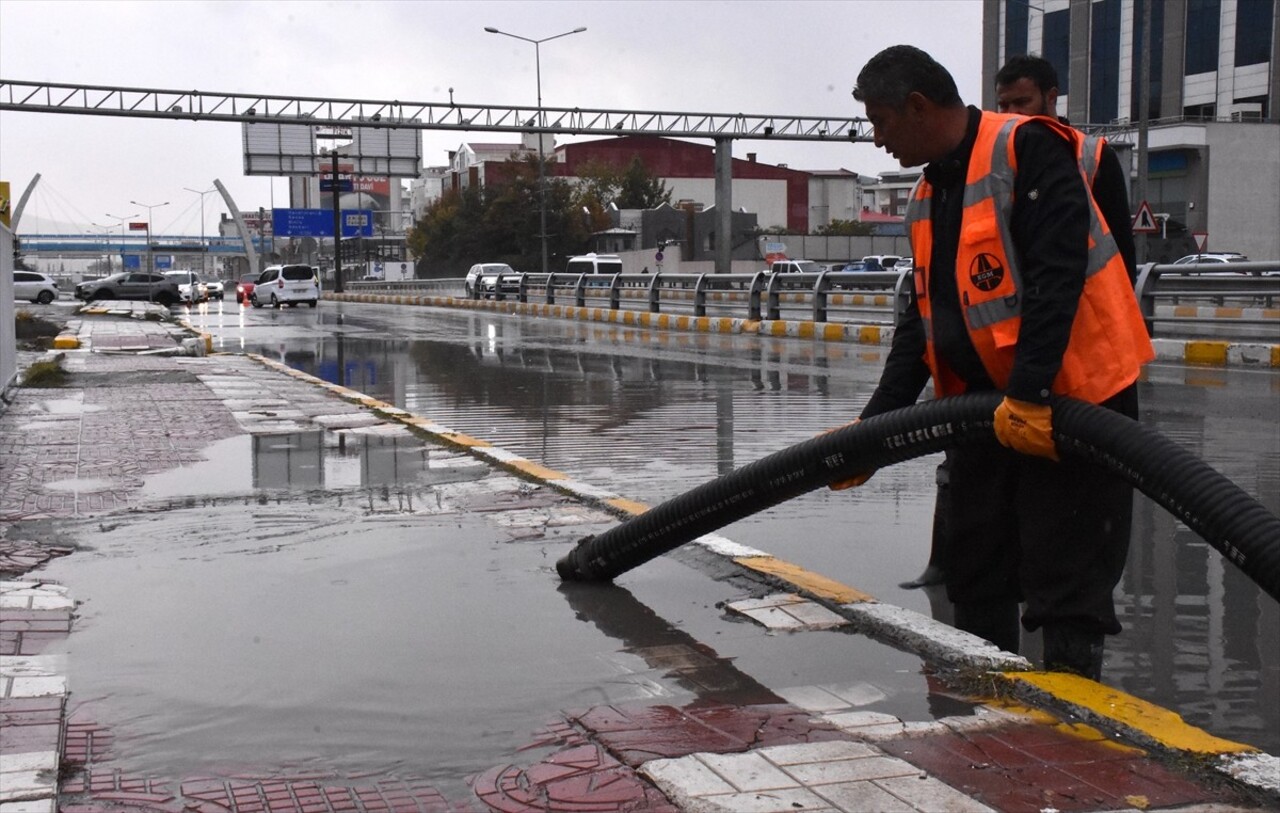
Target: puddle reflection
310 461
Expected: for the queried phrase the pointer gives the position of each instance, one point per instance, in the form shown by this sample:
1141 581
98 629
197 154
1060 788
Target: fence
1176 300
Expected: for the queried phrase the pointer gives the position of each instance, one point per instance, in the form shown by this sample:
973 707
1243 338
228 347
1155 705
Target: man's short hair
1038 69
895 73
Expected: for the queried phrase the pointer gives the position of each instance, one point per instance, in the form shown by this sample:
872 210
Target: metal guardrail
1236 300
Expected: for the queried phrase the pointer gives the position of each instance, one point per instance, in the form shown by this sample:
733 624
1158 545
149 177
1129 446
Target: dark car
244 288
147 286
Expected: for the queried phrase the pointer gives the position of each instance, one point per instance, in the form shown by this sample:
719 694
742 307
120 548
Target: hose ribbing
1226 517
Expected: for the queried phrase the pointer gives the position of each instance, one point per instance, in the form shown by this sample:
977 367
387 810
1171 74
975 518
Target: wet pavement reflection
651 414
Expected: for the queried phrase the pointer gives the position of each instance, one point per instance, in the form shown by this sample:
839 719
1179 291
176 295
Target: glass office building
1212 89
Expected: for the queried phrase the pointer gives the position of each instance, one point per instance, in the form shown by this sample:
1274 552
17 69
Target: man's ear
916 104
1051 101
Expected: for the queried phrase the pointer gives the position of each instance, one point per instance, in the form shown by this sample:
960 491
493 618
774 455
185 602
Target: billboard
319 222
284 147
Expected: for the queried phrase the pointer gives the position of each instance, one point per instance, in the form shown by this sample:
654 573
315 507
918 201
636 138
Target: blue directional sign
319 222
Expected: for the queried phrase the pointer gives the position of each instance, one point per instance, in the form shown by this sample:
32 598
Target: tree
640 189
846 228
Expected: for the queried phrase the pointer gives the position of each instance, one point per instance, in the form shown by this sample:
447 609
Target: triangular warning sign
1144 222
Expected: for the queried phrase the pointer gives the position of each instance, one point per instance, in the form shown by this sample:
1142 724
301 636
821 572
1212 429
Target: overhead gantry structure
194 105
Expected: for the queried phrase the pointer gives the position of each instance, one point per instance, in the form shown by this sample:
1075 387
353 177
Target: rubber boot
933 572
997 621
1069 648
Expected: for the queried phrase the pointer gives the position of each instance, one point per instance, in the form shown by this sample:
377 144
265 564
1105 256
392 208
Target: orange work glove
857 479
1026 427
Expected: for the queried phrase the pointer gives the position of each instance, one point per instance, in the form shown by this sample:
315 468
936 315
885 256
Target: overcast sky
783 57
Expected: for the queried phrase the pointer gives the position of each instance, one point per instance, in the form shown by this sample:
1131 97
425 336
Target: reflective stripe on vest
1109 340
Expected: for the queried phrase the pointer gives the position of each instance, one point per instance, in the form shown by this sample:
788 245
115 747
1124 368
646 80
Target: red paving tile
1057 770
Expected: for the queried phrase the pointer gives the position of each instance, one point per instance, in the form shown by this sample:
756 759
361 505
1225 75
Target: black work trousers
1054 535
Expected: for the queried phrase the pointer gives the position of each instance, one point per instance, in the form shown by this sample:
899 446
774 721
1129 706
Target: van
286 285
595 264
795 267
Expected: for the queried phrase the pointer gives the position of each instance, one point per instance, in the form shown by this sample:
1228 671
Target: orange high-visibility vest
1109 341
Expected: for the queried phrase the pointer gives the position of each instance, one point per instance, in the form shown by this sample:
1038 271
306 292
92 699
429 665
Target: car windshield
807 267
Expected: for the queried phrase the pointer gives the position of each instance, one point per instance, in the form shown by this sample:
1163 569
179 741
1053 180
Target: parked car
480 270
34 287
286 285
880 262
794 267
245 287
190 286
141 285
594 264
1217 257
215 289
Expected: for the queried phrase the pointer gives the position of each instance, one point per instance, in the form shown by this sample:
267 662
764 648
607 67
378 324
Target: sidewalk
1066 744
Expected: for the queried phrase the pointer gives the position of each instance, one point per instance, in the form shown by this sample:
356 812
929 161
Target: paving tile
691 776
748 772
28 761
851 770
803 753
863 797
773 801
929 794
813 698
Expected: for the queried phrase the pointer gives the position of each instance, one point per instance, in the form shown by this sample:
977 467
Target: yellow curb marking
66 342
1206 353
869 334
535 470
832 333
805 580
1160 724
629 506
1275 355
463 440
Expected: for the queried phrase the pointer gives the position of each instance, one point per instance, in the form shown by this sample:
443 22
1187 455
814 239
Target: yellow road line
1160 724
805 580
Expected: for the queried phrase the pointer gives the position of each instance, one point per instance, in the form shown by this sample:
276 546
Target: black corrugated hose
1217 509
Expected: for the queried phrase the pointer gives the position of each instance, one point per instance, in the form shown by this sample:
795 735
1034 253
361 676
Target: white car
478 273
34 287
190 287
215 289
286 285
1218 257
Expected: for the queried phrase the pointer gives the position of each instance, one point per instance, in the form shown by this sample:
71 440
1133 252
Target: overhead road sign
345 184
319 222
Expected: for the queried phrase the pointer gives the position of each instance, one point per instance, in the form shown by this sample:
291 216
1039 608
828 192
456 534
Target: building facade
1212 95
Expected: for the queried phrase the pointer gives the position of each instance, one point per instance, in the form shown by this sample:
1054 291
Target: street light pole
122 220
151 255
542 180
204 248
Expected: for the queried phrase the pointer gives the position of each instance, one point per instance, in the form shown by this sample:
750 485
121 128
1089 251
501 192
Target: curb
1213 353
1157 728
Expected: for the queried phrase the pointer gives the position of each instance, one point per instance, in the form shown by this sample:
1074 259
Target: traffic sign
1202 241
139 226
1144 222
345 184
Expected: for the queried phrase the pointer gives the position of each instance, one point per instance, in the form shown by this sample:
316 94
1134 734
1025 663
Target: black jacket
1049 224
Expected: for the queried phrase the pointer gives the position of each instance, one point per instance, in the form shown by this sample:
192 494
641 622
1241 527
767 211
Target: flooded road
647 415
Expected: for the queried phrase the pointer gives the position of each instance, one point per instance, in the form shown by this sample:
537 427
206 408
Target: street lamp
204 265
122 220
151 256
542 181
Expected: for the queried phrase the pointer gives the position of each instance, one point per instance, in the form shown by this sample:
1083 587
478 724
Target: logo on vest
985 272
